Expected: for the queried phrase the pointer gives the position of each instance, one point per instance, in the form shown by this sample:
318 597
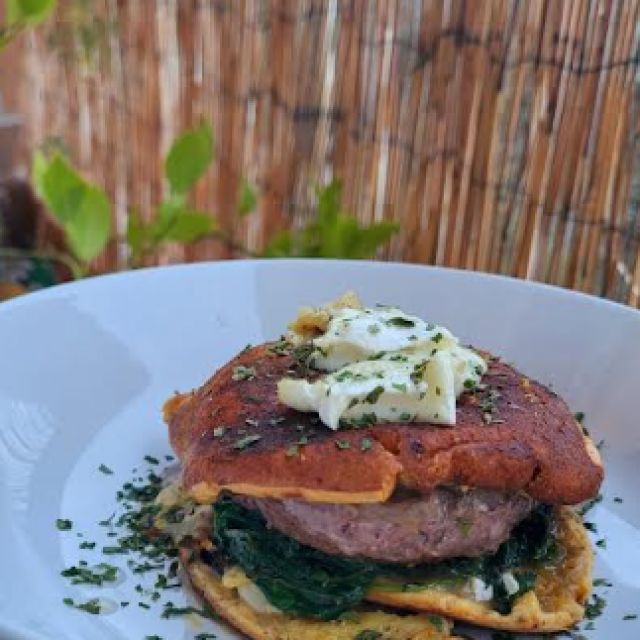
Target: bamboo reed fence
503 135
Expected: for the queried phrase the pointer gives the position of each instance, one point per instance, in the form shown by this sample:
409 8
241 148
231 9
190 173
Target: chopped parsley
97 576
171 611
373 328
151 460
585 507
87 545
595 607
366 444
245 442
630 616
343 444
618 500
469 383
399 321
243 373
108 521
205 636
374 394
405 417
64 525
601 582
91 606
399 386
104 469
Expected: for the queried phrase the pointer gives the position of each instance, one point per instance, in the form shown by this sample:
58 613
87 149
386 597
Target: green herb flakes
402 387
91 606
151 460
246 442
171 611
374 394
63 524
243 373
97 576
104 469
87 545
343 444
630 616
373 328
399 321
366 444
601 582
293 451
595 607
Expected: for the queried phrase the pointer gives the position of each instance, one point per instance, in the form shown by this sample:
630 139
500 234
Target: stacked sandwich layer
313 515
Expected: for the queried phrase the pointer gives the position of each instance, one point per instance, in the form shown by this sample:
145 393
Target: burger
368 477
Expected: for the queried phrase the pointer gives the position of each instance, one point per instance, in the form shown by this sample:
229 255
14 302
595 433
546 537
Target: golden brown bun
556 604
261 626
534 445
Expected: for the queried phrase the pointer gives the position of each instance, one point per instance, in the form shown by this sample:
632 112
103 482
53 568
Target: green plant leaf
81 208
329 198
136 235
333 233
189 226
189 157
247 198
30 12
280 245
89 229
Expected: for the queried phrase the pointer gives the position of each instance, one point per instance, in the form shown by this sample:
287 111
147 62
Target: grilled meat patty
444 523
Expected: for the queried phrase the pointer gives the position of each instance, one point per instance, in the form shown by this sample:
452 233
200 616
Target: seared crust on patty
235 435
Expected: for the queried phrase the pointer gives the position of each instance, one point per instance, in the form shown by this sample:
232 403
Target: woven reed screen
502 135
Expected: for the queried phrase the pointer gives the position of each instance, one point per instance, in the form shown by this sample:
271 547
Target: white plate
85 368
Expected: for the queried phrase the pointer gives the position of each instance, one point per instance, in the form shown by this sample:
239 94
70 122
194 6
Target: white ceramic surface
85 368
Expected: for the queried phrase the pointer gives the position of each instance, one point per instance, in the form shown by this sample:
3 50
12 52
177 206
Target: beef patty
444 523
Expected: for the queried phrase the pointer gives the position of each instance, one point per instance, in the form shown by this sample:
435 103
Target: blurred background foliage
499 135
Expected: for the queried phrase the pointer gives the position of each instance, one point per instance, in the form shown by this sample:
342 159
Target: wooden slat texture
502 135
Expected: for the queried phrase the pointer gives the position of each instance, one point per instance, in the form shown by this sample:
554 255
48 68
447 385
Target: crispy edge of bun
537 447
568 587
262 626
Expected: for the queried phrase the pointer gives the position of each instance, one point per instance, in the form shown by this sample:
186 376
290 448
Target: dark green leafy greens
295 578
304 581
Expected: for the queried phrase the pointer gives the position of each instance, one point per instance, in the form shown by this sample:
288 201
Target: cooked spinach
304 581
295 578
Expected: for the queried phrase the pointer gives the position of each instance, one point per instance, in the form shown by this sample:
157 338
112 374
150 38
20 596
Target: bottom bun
264 626
556 604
